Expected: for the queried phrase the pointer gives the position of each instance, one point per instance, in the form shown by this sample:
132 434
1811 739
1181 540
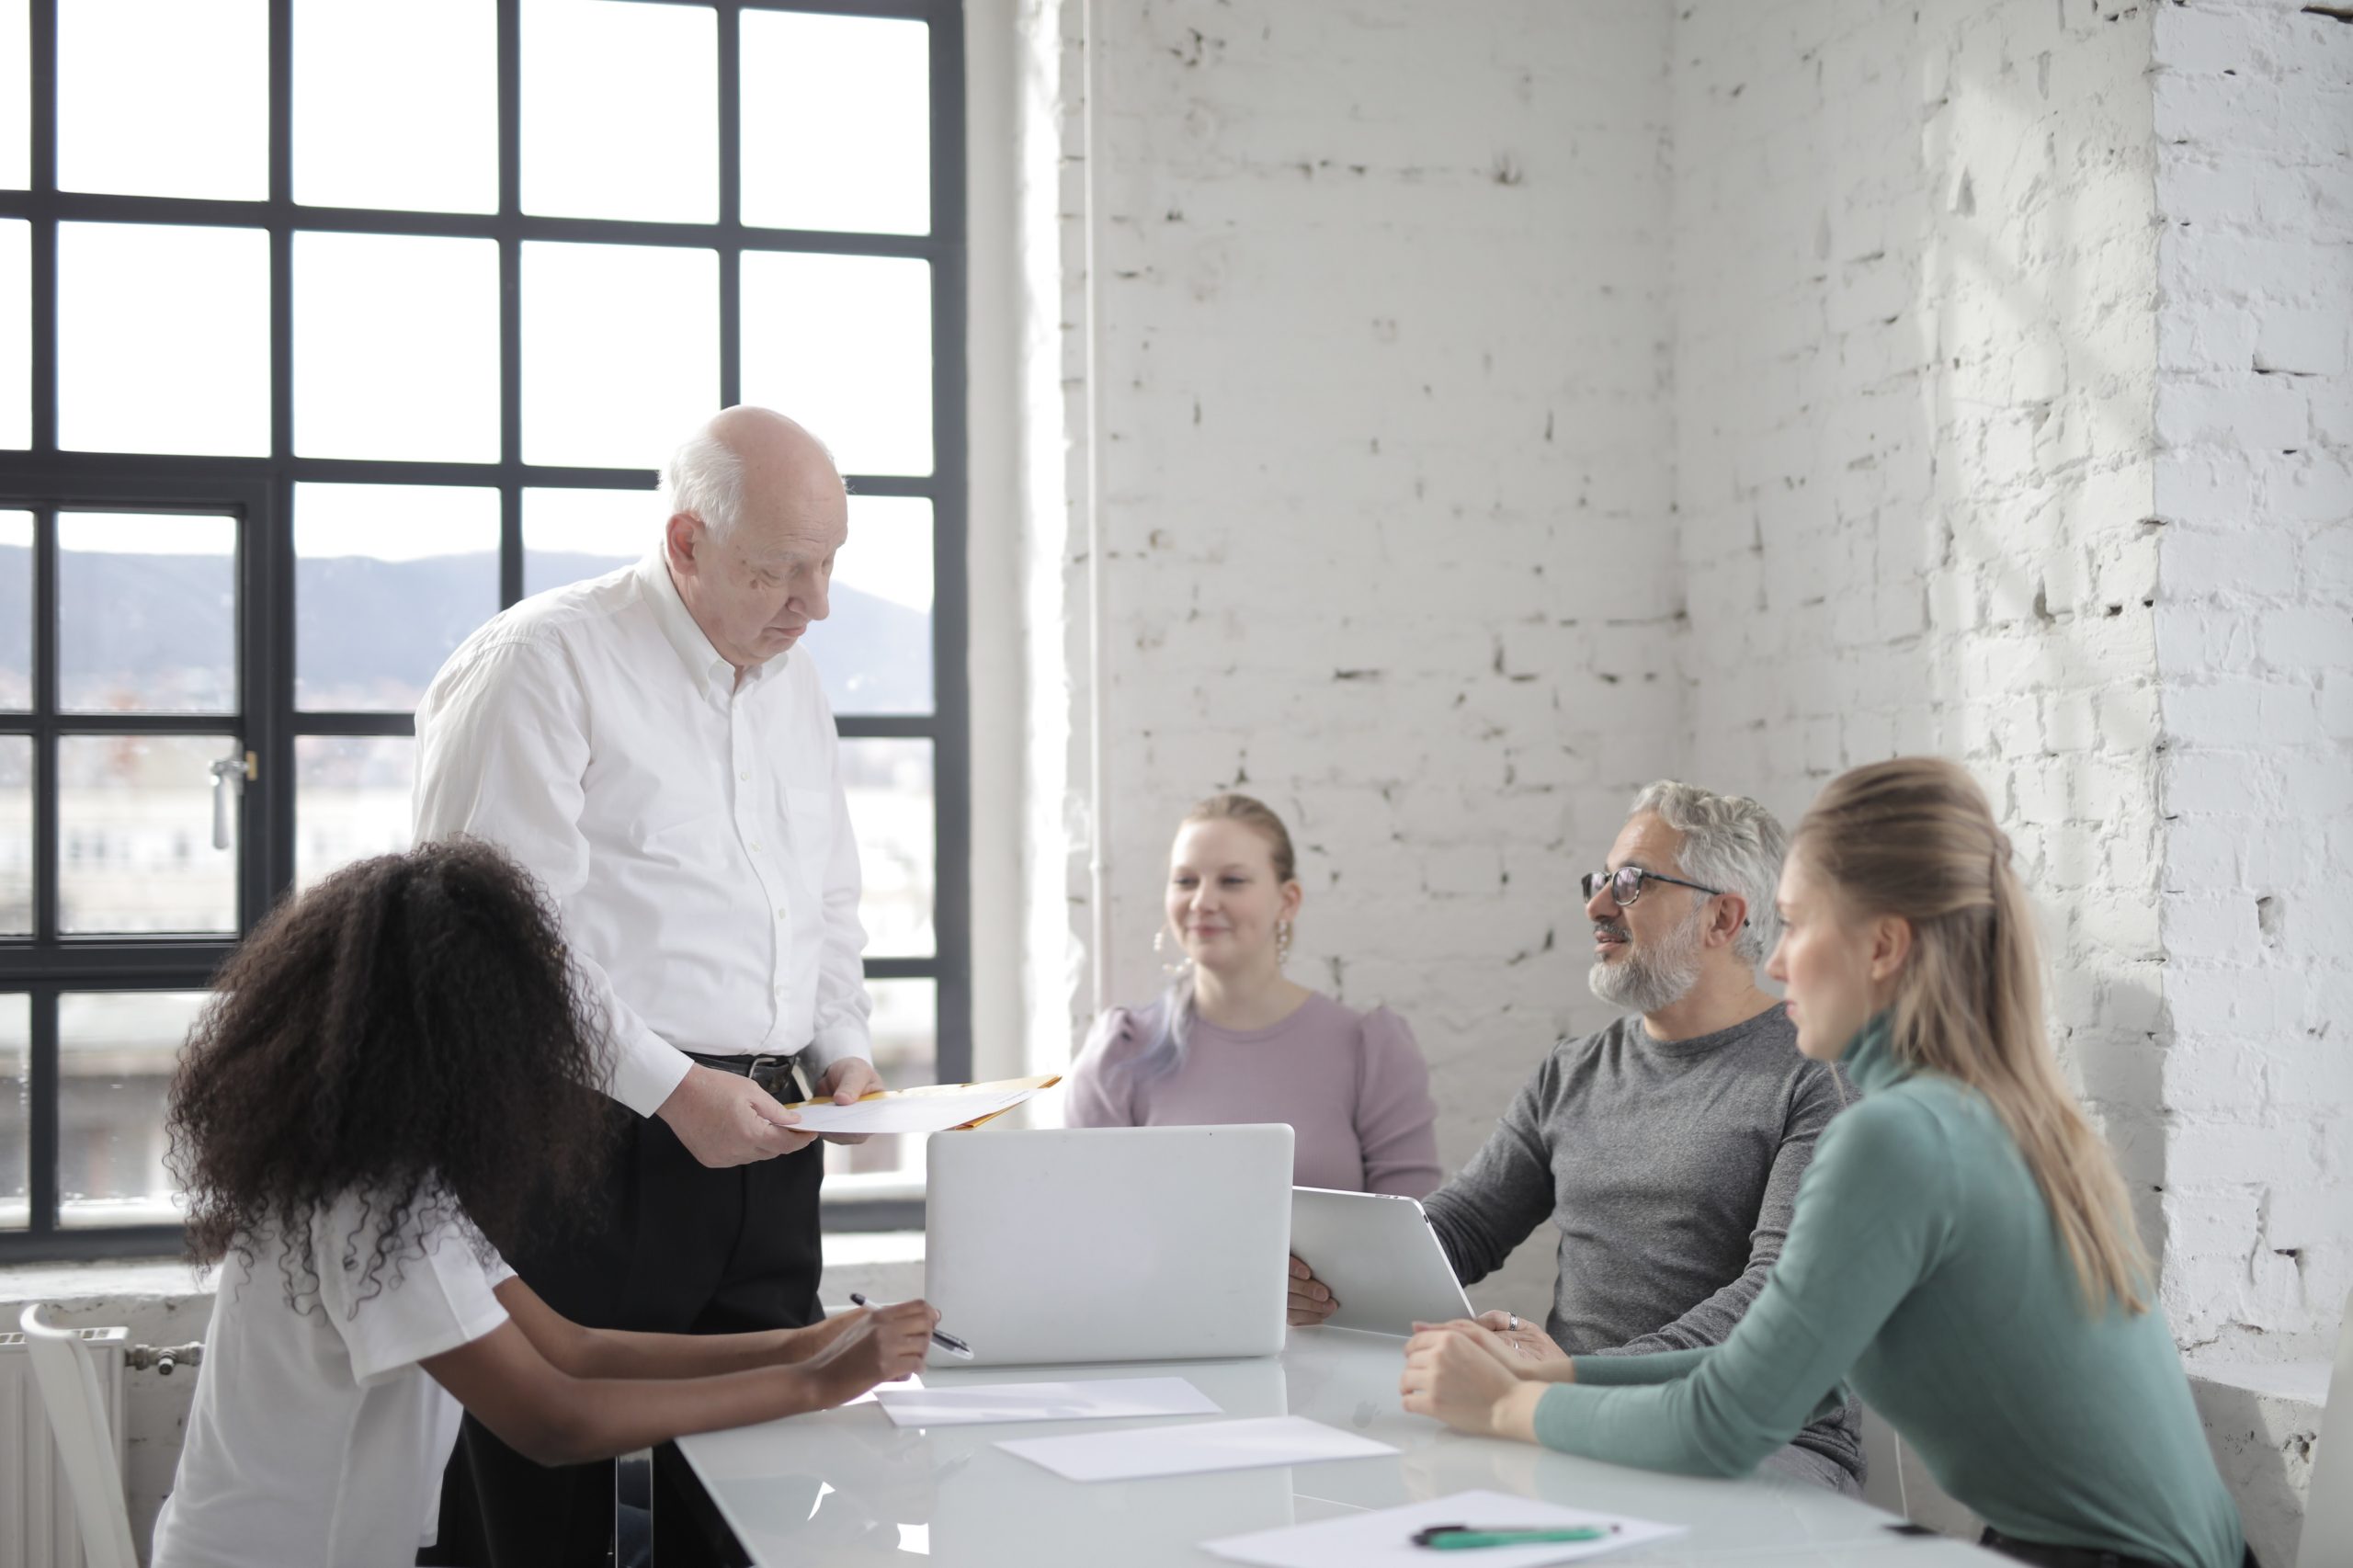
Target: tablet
1380 1257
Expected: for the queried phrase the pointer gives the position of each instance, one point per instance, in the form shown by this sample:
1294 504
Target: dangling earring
1172 969
1282 943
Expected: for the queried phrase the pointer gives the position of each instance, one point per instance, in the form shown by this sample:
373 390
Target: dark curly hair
407 1031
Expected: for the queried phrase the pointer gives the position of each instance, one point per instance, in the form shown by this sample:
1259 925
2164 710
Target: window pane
16 836
572 535
620 110
874 648
163 337
388 580
164 98
363 65
147 613
116 1052
351 800
134 822
16 333
907 1052
836 123
17 611
16 1112
843 344
889 786
620 351
395 347
15 88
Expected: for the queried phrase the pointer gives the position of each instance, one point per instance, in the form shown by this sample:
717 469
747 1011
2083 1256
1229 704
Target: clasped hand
1469 1377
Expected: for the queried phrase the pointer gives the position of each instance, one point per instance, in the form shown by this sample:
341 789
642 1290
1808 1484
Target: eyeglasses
1625 884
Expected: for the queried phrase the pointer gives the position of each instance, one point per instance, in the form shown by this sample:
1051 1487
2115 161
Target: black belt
770 1070
2069 1556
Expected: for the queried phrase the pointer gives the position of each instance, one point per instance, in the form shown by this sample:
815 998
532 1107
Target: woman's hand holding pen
880 1345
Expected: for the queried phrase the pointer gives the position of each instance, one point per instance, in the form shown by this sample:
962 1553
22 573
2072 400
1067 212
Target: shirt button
744 777
780 915
755 850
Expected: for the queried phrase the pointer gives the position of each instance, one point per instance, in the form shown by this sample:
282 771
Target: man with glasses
1667 1148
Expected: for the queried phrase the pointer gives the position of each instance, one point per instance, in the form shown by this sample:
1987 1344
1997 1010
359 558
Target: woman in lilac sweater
1233 1039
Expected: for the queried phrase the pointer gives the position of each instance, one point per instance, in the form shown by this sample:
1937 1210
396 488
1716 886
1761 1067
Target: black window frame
259 492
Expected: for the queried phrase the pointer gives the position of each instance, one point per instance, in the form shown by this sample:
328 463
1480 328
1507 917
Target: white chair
69 1392
1898 1482
1883 1464
2328 1501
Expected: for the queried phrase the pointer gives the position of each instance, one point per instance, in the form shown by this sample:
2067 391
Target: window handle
229 776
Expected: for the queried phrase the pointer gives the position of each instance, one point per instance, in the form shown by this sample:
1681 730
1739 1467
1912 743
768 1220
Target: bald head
748 454
756 512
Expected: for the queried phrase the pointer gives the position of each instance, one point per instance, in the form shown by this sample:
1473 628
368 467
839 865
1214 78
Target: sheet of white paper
1111 1398
913 1381
909 1113
1191 1451
1384 1537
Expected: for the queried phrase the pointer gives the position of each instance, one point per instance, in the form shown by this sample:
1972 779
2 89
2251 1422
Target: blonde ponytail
1913 837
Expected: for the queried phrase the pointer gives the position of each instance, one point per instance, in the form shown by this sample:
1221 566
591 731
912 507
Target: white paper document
1191 1451
1384 1537
928 1110
1108 1399
911 1382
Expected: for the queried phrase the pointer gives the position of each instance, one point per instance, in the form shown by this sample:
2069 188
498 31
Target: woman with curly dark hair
388 1088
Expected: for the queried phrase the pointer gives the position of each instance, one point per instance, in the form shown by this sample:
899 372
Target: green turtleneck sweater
1922 1264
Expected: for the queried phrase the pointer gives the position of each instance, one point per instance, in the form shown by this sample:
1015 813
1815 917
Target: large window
328 328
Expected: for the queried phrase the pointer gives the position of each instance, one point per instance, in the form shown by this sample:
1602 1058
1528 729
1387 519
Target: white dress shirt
692 828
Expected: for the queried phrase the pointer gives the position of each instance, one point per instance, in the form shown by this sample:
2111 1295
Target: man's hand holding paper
935 1108
845 1083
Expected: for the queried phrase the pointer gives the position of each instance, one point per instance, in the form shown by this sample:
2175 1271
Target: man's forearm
1461 1213
1706 1323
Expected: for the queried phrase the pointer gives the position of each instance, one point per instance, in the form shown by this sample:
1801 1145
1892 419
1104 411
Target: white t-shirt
315 1437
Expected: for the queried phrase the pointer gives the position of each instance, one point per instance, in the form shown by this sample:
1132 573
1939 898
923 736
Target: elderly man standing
1667 1148
652 745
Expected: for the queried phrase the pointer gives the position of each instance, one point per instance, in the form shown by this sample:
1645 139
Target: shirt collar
1870 1058
702 660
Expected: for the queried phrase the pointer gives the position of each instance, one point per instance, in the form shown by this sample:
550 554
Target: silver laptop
1111 1244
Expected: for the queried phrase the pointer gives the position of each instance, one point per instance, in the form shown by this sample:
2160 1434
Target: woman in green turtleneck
1961 1251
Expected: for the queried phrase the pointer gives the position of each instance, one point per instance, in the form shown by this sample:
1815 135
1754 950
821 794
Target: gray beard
1645 981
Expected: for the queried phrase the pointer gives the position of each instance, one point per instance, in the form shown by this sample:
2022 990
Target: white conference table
844 1487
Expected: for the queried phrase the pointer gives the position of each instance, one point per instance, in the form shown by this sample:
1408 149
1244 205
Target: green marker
1461 1537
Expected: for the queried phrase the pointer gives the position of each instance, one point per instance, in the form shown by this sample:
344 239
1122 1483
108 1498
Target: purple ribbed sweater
1353 1087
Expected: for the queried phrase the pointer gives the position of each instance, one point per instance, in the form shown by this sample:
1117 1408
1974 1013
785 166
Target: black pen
947 1342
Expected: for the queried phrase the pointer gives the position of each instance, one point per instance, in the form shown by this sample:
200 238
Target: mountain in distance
370 633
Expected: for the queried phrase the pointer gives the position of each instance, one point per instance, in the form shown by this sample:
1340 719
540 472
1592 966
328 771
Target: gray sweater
1670 1168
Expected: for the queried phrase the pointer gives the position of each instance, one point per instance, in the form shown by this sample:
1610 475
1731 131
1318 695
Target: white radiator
37 1520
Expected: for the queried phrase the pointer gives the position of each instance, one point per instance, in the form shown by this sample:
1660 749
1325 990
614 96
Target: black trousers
672 1247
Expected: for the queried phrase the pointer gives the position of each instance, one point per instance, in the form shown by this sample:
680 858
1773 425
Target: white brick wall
1947 480
2254 413
1913 378
1501 404
1385 510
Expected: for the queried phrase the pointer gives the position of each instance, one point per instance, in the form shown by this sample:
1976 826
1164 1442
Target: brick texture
1914 376
1500 404
2254 483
